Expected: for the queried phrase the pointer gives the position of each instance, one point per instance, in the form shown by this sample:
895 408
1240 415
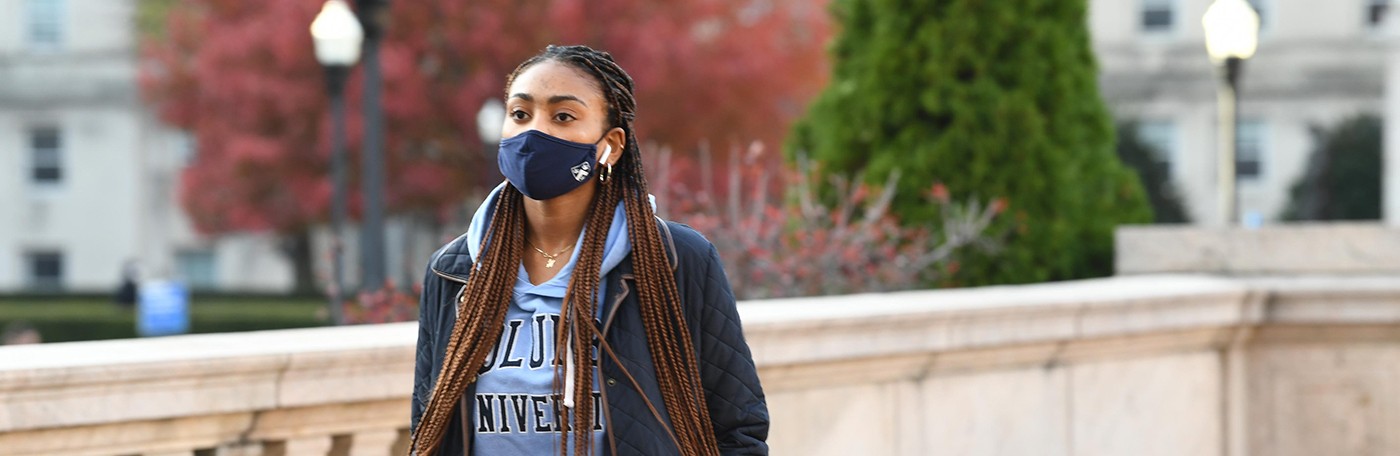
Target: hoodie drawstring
569 371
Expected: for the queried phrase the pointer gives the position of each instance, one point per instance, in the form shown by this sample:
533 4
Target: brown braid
481 317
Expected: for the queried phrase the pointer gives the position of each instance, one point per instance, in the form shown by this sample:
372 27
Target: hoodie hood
615 248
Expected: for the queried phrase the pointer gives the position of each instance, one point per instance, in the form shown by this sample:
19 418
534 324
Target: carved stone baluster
306 446
239 449
373 443
401 444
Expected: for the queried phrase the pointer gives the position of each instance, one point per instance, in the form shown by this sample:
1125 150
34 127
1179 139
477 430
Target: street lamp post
337 36
372 154
1232 36
488 127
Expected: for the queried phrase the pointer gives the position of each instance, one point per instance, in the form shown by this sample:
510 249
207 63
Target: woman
569 319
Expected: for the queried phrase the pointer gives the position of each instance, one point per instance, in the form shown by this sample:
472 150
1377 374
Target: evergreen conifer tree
1343 178
1142 157
995 99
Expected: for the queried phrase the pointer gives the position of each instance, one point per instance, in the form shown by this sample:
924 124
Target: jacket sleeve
735 399
423 360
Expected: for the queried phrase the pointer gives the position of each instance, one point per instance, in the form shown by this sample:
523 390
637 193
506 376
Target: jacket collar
453 261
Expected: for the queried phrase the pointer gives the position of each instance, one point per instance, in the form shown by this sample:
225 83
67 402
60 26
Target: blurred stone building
88 176
1318 62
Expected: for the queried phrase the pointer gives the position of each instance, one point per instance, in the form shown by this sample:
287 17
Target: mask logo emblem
580 171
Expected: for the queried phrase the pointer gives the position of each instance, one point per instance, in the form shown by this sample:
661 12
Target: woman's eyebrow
552 100
562 98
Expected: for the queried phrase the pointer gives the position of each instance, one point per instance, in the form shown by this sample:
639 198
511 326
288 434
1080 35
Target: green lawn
73 319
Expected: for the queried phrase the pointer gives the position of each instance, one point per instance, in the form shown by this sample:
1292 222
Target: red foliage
777 240
241 77
384 305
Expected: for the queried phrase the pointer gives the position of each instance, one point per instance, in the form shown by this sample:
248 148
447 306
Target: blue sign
164 309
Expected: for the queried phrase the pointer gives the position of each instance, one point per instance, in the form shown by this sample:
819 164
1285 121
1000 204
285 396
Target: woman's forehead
551 78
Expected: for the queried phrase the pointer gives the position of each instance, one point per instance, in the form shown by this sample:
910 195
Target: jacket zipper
607 412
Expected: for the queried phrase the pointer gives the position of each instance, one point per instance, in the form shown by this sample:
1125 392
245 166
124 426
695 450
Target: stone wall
1142 365
1102 367
289 392
1289 346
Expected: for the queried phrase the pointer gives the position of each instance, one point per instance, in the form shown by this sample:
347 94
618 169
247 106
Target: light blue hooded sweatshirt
514 412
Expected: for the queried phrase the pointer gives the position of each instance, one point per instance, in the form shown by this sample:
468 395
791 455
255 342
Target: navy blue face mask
544 167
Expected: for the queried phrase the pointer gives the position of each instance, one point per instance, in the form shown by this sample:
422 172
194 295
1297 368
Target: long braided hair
488 291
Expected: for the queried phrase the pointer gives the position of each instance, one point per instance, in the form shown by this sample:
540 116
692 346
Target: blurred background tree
995 99
1343 177
1155 174
240 77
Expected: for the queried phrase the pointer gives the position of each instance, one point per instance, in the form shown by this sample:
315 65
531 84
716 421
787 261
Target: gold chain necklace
549 263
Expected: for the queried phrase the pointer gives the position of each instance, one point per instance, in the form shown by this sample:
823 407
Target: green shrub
76 319
995 99
1343 178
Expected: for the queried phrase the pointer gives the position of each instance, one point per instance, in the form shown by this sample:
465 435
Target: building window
197 268
1376 11
45 270
1160 135
1158 15
1250 150
45 24
46 156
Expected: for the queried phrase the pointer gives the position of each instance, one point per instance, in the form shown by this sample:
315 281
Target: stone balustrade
1135 365
1341 248
337 391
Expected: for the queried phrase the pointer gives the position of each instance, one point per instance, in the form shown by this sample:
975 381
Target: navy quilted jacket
735 399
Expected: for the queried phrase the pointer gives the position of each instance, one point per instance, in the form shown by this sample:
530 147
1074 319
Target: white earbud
607 152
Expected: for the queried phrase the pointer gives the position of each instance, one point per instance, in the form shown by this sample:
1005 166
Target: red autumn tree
240 76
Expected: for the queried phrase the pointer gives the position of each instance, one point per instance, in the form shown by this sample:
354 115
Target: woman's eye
563 117
518 114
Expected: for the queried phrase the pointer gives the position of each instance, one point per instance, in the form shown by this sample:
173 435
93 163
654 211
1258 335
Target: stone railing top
206 374
1292 249
135 379
199 347
833 328
1002 299
1369 284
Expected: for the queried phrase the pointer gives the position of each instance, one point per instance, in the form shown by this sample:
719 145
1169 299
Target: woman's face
558 100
